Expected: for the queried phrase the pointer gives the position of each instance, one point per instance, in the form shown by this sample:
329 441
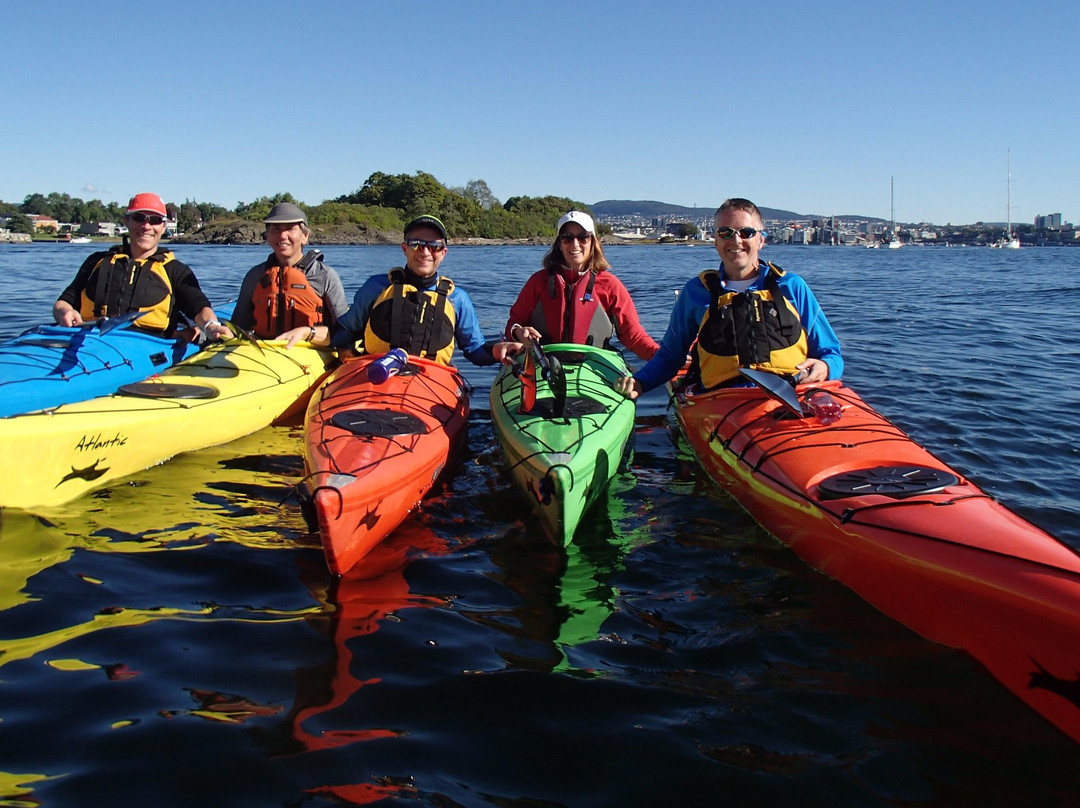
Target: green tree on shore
382 205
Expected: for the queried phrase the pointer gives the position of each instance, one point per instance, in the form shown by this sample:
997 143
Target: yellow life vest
120 284
420 321
758 329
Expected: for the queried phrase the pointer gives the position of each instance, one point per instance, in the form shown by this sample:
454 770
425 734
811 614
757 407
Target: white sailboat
1010 242
894 239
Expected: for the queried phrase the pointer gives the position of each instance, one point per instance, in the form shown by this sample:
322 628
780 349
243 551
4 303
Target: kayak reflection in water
746 314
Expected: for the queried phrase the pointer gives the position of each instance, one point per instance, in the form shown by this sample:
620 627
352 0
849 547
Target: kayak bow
564 441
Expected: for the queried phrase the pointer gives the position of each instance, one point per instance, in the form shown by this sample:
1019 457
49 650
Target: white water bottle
387 365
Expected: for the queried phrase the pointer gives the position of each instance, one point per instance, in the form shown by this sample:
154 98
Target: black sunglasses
417 243
584 238
744 232
146 217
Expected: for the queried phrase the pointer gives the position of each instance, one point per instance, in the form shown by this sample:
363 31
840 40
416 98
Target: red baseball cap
147 203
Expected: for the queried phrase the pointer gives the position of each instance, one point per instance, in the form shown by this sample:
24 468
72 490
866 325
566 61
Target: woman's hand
629 387
504 352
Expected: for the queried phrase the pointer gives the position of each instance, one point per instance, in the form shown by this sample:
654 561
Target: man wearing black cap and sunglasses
139 276
748 313
292 295
415 308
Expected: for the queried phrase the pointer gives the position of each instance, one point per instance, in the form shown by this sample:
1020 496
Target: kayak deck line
403 402
50 365
848 514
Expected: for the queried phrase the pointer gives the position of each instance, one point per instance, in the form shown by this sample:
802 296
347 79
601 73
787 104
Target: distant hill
651 210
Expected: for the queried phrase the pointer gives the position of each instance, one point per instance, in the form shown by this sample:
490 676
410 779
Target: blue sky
810 107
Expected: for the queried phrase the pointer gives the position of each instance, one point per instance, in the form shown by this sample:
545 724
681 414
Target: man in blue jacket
415 308
746 314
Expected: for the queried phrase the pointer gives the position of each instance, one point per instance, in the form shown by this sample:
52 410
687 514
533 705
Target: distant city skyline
809 107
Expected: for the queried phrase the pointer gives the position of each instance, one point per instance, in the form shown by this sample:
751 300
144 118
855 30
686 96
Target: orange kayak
863 503
372 451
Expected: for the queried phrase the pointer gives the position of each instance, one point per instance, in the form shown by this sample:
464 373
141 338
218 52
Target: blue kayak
50 365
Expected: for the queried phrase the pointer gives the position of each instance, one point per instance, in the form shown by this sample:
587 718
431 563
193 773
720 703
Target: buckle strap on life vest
403 329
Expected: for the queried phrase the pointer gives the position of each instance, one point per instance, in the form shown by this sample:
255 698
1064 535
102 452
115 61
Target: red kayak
860 501
372 451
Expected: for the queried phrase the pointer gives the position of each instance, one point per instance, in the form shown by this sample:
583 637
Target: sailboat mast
1008 194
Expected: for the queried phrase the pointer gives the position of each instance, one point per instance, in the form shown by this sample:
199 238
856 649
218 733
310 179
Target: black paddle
551 371
107 324
778 387
242 335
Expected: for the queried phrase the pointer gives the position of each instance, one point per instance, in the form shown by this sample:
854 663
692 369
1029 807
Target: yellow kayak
225 392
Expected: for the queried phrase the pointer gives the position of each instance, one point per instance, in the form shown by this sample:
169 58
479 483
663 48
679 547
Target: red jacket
557 308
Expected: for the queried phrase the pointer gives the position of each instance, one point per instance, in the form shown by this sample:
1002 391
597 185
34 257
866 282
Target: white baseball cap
576 216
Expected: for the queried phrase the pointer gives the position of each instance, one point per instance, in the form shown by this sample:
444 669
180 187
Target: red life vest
570 312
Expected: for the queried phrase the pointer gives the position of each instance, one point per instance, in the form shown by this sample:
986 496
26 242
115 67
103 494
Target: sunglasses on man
418 243
142 218
745 233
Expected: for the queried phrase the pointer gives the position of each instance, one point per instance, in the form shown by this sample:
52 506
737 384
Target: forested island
374 214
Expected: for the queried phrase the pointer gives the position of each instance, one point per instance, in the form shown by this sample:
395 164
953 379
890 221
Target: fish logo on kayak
1042 679
369 519
90 473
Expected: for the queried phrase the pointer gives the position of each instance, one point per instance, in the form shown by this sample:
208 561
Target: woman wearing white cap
575 298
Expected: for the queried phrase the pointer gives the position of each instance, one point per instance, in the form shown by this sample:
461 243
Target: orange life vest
284 299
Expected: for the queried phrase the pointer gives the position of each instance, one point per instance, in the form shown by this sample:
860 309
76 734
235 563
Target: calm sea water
176 640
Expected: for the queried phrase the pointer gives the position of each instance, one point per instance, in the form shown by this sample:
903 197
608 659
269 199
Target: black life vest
120 284
756 329
419 320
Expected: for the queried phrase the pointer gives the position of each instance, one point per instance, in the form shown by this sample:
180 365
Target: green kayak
563 429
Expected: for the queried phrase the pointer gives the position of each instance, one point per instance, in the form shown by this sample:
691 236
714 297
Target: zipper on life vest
568 312
281 300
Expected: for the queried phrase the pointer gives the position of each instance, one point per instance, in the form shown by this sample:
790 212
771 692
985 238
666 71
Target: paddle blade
555 376
107 324
528 384
778 387
242 335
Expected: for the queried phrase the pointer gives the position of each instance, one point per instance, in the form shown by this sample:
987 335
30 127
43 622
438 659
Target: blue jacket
693 301
467 334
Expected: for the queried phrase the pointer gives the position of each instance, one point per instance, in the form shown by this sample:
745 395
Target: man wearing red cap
139 276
